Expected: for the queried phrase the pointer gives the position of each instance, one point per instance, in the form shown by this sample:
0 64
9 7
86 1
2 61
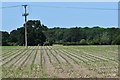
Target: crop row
60 59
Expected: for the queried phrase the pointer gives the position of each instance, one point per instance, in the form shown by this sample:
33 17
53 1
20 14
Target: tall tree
5 36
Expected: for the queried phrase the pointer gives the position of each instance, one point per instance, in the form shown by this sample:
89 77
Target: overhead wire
74 7
62 7
11 6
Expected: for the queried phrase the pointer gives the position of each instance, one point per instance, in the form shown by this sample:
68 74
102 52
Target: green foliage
71 43
116 40
40 34
5 36
47 43
35 35
83 42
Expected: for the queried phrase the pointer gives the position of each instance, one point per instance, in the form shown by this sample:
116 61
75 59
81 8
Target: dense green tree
39 34
35 34
5 36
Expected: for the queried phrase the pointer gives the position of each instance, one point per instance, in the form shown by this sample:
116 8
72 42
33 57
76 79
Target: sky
61 17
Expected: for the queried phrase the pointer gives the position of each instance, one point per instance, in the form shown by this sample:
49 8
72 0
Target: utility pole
25 15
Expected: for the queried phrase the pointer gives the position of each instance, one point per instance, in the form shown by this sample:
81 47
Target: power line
63 7
11 6
74 7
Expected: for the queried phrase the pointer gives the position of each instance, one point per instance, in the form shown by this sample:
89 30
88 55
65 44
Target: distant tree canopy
40 34
78 35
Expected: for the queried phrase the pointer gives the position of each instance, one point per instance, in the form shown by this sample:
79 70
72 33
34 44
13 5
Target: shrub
83 42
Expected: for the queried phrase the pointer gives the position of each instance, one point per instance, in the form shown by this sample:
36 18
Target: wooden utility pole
25 15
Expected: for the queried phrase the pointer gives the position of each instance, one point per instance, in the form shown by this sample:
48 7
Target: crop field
60 61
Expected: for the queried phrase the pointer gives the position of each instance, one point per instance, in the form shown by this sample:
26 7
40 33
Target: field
60 61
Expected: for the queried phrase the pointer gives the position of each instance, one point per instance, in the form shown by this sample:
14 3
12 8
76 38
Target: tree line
42 35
